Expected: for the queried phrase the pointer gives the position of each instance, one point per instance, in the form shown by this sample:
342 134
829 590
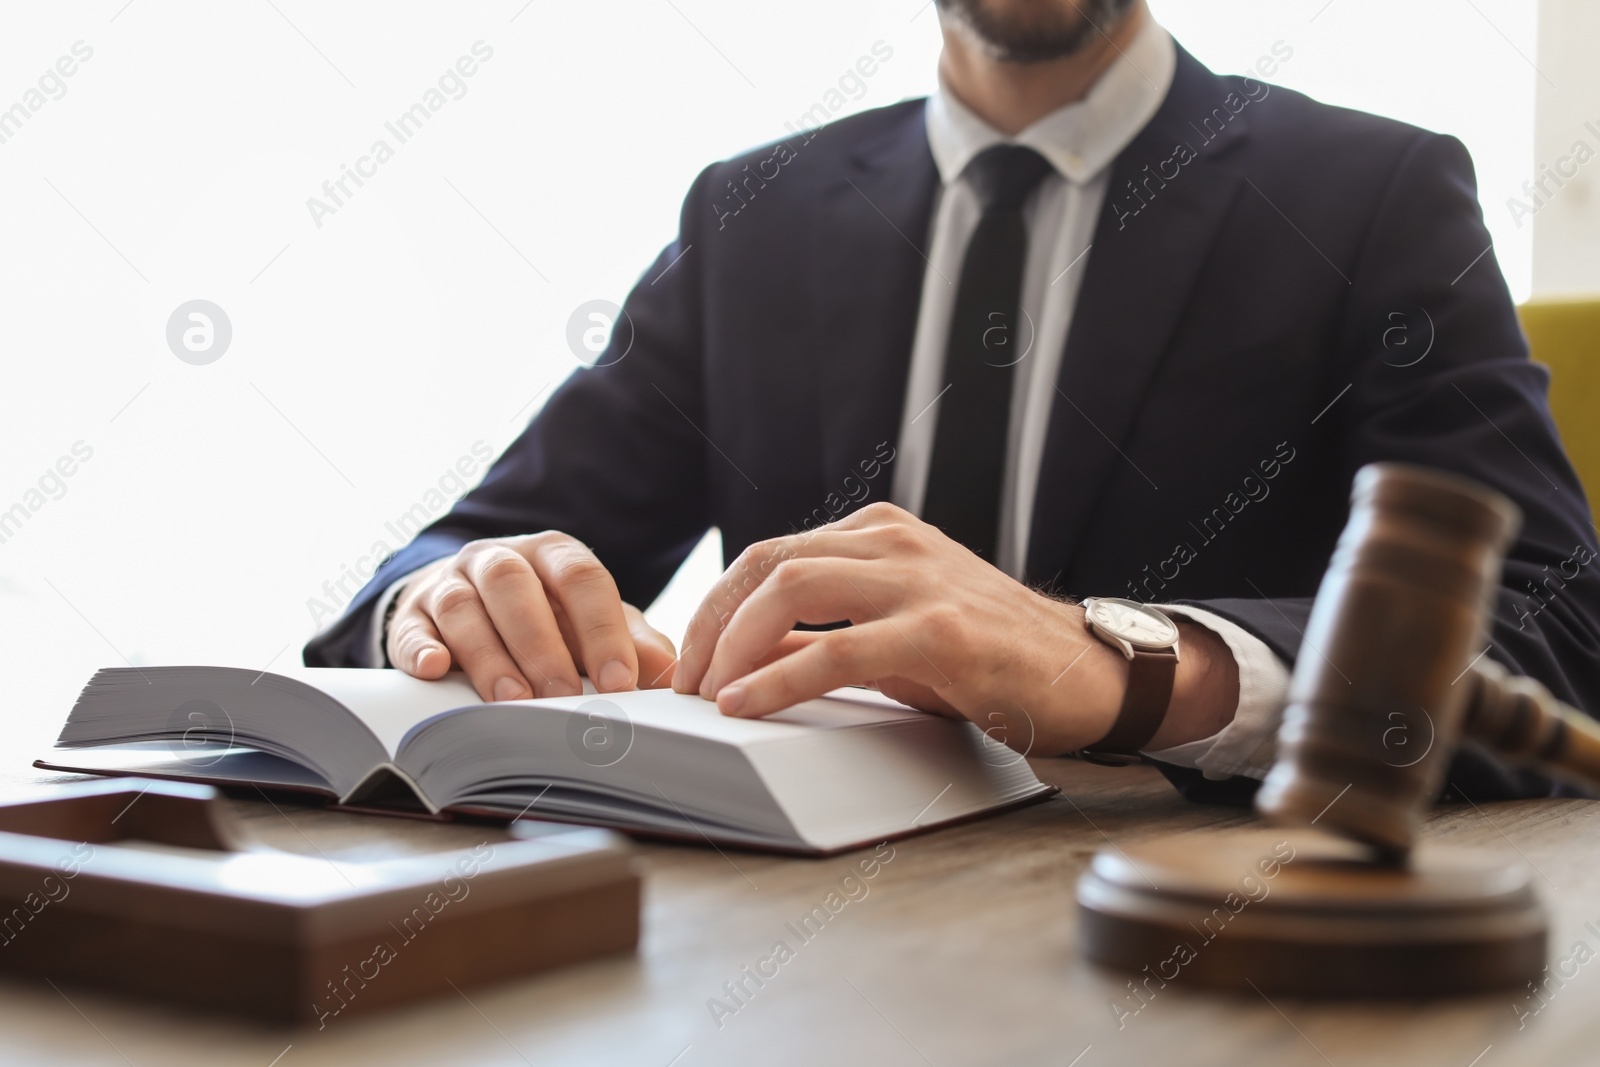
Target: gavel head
1378 694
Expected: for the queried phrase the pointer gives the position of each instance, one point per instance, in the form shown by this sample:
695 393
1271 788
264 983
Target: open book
846 770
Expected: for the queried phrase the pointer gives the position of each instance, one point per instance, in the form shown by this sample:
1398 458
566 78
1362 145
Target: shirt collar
1081 139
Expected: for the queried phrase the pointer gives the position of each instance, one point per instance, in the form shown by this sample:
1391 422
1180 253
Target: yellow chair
1565 336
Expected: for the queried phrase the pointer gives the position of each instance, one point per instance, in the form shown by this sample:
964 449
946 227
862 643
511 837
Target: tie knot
1004 175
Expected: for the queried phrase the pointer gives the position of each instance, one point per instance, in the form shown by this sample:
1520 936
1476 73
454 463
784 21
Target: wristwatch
1150 641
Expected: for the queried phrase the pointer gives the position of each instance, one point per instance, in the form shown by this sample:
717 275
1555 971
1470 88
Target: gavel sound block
151 889
1328 921
1341 902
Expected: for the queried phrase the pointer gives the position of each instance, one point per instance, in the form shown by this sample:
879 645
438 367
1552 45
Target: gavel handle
1517 718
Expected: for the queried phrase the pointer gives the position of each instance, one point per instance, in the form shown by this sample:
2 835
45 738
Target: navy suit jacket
1265 274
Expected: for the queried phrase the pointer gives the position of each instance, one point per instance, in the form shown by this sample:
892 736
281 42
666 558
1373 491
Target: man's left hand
933 626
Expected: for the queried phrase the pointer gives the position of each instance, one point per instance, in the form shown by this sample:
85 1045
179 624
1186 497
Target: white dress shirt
1080 141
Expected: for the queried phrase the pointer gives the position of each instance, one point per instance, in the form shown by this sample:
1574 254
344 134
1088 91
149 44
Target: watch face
1133 622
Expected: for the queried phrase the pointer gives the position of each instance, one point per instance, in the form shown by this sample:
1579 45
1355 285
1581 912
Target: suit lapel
871 245
1140 273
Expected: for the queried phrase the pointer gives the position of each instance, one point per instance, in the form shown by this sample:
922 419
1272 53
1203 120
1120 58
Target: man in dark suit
1091 321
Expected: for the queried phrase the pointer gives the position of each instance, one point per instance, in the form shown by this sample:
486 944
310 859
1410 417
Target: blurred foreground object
154 889
1389 679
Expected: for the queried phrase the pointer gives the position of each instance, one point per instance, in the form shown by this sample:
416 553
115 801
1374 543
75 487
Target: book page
689 714
853 705
389 702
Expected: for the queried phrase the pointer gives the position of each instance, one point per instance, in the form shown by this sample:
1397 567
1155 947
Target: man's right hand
524 617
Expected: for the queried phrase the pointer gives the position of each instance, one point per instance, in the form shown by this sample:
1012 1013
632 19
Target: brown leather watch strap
1144 705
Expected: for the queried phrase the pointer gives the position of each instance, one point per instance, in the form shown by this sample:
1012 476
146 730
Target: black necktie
987 337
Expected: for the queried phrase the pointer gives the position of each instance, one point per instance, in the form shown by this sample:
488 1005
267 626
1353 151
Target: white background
430 311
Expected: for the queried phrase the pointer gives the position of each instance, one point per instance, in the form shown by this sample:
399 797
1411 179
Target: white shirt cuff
375 654
1247 745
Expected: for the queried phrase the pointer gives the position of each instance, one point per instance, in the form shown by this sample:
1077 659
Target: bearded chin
1038 36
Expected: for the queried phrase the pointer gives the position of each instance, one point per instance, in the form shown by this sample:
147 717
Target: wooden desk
961 952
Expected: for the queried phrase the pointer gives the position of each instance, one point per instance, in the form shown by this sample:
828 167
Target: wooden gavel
1392 675
1337 899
